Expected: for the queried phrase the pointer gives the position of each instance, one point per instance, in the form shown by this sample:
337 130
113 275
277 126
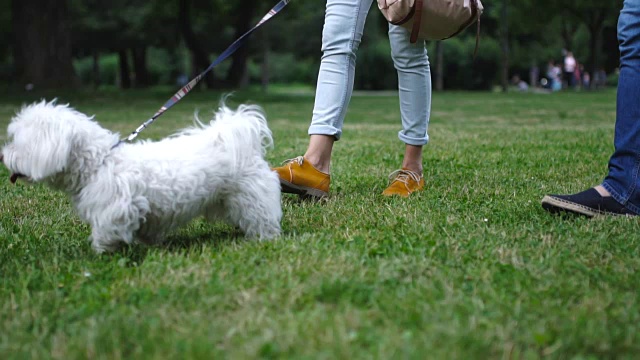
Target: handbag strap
417 19
474 7
475 16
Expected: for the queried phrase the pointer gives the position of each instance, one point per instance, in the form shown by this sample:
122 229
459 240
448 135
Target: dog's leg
114 216
104 241
114 227
254 205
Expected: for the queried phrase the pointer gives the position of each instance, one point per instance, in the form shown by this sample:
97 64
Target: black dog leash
187 88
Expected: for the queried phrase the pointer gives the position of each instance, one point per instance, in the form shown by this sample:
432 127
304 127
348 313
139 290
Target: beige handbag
432 19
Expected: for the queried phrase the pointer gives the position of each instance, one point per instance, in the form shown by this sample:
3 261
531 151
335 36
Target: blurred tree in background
42 47
135 43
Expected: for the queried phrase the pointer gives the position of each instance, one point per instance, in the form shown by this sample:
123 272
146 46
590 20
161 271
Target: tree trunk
504 39
264 69
140 66
42 43
595 45
610 47
439 66
568 31
125 77
96 69
238 70
200 56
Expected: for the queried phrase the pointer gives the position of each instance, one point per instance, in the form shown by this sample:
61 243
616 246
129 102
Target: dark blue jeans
623 180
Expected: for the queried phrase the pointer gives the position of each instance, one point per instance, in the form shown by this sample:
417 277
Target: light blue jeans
623 180
341 35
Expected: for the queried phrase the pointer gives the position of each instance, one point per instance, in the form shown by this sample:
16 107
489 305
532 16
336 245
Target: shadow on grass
192 238
215 239
300 200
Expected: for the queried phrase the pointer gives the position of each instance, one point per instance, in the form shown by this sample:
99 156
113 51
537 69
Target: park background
470 268
124 44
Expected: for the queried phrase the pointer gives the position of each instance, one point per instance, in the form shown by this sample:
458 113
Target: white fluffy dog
141 191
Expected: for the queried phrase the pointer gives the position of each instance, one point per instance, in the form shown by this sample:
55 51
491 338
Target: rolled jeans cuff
619 197
325 130
416 141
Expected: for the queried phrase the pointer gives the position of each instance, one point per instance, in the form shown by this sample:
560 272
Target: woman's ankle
602 191
318 162
319 152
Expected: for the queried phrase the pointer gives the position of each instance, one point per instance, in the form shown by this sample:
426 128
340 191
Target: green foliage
6 70
286 69
462 70
162 69
537 32
114 25
108 69
374 67
612 79
470 268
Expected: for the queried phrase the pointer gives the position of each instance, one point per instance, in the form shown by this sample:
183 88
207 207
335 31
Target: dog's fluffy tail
246 126
243 133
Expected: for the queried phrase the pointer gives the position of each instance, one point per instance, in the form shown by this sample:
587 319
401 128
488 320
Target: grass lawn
470 268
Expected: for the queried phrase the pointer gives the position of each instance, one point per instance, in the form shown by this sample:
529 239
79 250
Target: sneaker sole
555 205
303 191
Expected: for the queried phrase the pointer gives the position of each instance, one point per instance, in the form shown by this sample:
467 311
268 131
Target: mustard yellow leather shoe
298 176
403 183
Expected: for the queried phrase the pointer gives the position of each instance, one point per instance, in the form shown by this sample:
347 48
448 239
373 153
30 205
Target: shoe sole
555 205
303 191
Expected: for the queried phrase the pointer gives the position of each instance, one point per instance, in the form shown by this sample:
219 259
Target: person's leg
308 175
341 35
414 89
414 86
623 180
619 194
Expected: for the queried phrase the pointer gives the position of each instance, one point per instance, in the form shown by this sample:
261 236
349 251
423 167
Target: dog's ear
47 139
51 151
41 143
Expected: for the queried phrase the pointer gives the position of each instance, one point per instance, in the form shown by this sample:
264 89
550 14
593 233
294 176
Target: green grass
470 268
